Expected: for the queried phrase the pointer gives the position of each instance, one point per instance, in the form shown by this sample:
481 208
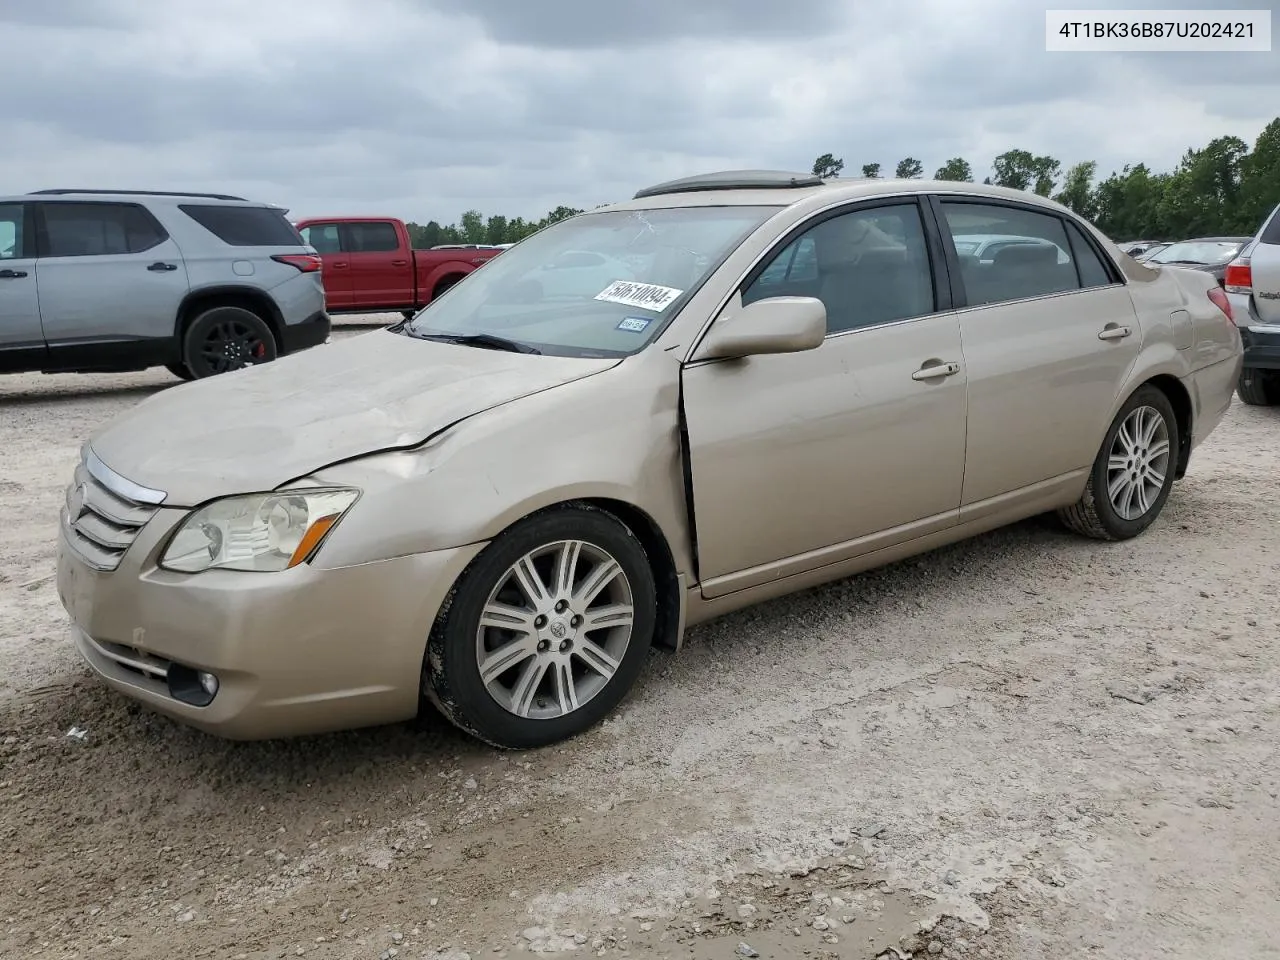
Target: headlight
264 531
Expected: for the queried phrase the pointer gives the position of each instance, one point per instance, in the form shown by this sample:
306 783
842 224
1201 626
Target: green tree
471 226
1259 181
496 230
558 214
1044 174
827 166
957 169
1014 169
1077 189
871 170
909 169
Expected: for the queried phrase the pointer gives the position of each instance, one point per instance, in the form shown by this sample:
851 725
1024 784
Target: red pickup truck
370 266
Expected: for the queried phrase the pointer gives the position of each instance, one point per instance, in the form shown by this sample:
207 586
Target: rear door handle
12 274
160 266
1114 333
936 371
340 266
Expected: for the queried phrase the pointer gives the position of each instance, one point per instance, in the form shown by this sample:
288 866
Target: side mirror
775 325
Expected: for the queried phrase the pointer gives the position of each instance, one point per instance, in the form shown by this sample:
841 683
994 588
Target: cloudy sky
425 108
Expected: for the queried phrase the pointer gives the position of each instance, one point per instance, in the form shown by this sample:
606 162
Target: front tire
1259 388
545 632
179 370
1133 473
223 339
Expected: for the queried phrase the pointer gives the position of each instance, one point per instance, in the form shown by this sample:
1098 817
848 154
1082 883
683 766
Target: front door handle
399 263
161 267
935 371
340 266
1112 332
12 274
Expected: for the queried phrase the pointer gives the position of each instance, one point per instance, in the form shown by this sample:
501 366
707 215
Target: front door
21 339
1050 337
381 270
335 264
111 282
804 459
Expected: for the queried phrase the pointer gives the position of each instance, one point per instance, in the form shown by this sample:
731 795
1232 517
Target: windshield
599 284
1198 251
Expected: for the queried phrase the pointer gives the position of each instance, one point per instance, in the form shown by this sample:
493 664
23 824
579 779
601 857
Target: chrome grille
104 513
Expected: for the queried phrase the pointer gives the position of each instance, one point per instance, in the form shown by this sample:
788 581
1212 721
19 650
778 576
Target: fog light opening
196 688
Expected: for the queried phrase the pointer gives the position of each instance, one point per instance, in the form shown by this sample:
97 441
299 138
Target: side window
11 231
374 237
868 267
1092 271
99 229
323 236
1009 253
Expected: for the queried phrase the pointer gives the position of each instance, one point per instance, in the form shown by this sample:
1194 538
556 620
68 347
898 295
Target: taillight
1239 276
305 262
1220 300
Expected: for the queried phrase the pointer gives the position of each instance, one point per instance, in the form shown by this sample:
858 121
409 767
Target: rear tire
223 339
520 672
1133 473
1259 388
444 285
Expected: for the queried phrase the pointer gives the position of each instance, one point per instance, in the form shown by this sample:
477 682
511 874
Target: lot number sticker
649 296
634 324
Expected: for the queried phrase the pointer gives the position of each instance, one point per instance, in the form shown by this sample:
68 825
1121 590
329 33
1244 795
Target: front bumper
308 650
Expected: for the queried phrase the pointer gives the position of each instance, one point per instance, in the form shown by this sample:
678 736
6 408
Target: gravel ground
1028 746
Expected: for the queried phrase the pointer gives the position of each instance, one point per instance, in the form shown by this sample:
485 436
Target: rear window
1272 233
244 226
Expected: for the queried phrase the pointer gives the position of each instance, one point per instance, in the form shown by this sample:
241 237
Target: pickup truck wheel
223 339
1133 473
179 370
1259 388
545 632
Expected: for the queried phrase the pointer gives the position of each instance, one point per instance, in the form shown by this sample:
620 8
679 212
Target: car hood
255 429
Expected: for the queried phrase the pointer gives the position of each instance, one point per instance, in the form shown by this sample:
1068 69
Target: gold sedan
726 389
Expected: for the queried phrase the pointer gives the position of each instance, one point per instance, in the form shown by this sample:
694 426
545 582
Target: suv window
10 231
1271 235
323 236
1036 267
868 267
244 226
373 237
98 229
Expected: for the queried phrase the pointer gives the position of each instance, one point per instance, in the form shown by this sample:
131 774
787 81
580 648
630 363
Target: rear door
110 281
1265 262
21 339
1049 345
381 268
335 271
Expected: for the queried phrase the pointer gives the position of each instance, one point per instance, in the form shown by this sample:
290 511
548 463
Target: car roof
126 196
824 194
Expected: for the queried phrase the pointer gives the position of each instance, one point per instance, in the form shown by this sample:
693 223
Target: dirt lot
1030 745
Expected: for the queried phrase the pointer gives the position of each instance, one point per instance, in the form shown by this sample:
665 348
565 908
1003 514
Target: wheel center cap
559 629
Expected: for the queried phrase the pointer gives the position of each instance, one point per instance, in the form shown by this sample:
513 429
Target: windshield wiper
1197 263
487 341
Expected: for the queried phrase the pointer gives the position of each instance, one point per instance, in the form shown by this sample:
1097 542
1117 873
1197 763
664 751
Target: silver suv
108 281
1253 285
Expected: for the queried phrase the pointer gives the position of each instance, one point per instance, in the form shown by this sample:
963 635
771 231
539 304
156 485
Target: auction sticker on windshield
650 296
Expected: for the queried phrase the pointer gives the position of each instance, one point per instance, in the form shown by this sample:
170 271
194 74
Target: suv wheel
179 370
223 339
1259 388
545 632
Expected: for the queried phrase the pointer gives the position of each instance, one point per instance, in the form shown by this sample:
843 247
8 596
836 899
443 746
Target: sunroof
733 180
